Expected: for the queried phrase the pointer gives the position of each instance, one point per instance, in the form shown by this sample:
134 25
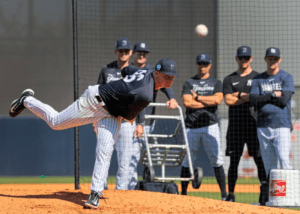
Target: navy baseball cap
243 51
123 43
167 66
273 52
141 46
203 57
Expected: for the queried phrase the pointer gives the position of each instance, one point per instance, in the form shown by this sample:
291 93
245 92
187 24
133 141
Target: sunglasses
203 63
124 51
142 53
244 57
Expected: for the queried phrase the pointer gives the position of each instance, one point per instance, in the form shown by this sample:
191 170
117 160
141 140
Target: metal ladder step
162 117
167 146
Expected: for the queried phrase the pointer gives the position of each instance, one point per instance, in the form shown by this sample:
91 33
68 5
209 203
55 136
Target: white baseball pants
125 150
83 111
86 109
107 134
210 137
275 145
137 146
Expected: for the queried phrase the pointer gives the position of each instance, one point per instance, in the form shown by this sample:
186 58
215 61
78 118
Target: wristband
239 95
273 94
197 98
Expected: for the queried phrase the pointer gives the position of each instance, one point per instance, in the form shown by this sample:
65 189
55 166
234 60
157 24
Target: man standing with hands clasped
271 94
242 125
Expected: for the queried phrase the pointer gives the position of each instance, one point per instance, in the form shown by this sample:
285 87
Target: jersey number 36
139 75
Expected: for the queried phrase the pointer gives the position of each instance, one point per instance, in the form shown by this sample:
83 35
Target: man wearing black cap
108 103
141 52
242 125
201 96
271 94
112 72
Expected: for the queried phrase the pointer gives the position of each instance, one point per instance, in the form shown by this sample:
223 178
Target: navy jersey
197 118
271 115
240 118
110 72
128 96
150 110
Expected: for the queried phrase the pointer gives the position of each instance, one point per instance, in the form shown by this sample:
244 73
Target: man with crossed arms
242 125
271 94
201 96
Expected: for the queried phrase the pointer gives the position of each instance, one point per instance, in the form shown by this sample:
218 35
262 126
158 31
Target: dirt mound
62 198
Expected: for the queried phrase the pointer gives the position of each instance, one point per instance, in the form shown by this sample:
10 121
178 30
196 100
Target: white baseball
201 30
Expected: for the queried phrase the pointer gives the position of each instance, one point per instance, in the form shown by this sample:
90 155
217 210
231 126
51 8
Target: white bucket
284 188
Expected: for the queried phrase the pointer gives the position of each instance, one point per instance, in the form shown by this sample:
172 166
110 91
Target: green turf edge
41 179
87 179
247 198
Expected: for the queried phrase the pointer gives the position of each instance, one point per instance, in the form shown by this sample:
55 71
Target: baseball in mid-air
201 30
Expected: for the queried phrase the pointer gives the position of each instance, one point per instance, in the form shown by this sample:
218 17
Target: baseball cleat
93 200
230 198
183 192
17 105
264 193
223 195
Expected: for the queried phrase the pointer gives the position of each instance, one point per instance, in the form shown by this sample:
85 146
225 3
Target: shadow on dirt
76 198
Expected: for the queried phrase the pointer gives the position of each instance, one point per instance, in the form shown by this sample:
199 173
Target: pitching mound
62 198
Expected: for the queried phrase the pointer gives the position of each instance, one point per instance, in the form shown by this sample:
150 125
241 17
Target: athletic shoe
93 200
256 204
264 194
230 198
17 105
224 196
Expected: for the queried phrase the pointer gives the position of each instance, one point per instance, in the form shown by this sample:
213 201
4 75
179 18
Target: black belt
100 101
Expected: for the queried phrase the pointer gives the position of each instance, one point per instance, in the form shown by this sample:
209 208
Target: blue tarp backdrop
30 148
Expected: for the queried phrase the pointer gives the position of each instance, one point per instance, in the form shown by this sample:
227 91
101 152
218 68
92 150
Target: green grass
42 179
212 180
88 179
247 198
